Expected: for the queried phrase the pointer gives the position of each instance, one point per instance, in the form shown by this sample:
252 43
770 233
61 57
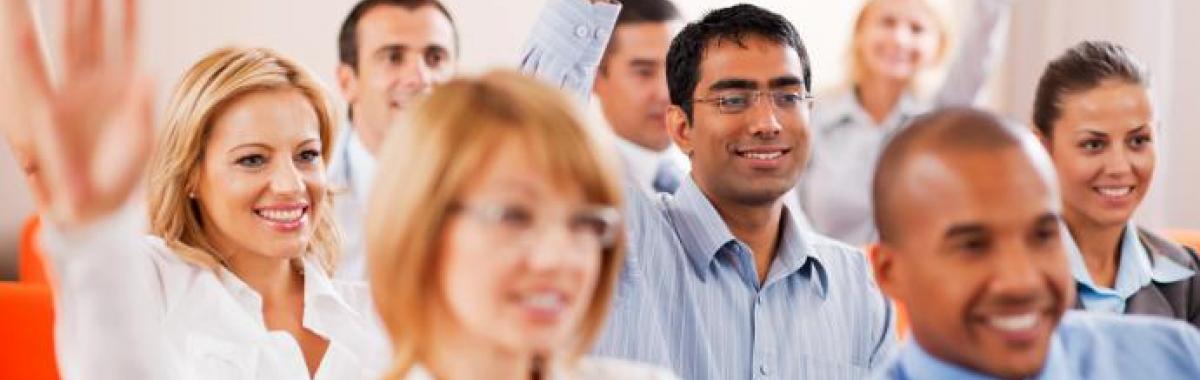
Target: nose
1117 161
660 94
286 179
1016 275
416 76
764 123
551 248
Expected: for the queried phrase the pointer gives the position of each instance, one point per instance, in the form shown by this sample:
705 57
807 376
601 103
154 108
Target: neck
273 278
879 97
459 355
1100 246
756 225
362 133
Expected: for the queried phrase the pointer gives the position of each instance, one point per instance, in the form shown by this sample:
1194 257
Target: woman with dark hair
1094 114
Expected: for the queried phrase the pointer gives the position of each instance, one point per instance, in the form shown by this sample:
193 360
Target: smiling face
1103 148
506 275
897 38
402 54
978 259
755 156
261 175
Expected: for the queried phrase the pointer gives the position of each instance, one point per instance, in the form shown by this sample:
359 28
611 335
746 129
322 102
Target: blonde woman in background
233 280
497 255
895 46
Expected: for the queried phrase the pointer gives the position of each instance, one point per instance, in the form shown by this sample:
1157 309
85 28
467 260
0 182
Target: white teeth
763 156
1115 191
1014 322
282 215
543 301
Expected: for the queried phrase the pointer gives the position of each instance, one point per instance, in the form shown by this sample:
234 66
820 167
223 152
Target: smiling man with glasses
722 280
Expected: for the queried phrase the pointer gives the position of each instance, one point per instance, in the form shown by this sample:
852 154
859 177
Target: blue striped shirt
689 299
1085 345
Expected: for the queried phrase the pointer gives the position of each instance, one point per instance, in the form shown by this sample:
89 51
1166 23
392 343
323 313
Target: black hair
733 24
1081 68
637 12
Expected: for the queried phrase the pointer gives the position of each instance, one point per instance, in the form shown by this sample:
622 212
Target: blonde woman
233 280
497 256
895 46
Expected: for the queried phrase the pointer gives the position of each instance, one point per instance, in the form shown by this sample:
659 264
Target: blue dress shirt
689 299
1134 272
1085 346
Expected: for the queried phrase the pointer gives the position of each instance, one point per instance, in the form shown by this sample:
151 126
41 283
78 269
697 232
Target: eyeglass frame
752 99
489 214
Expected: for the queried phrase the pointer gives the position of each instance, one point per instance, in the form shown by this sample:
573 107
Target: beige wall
178 31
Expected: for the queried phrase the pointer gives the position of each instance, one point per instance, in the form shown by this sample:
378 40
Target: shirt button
599 34
764 370
581 31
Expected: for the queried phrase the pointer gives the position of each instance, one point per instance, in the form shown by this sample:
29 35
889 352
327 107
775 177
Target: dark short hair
733 24
949 130
1081 68
637 12
348 36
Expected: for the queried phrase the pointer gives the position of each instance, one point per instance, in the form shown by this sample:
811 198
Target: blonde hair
447 141
210 85
858 70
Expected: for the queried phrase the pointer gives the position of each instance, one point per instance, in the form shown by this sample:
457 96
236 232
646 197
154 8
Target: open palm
87 139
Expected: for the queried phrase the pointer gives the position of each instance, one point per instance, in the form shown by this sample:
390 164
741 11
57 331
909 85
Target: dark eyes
309 155
254 161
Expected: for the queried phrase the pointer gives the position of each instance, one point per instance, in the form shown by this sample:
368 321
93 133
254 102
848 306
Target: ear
883 264
679 129
348 82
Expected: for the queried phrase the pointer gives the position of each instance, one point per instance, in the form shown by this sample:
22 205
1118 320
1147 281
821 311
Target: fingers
84 36
131 33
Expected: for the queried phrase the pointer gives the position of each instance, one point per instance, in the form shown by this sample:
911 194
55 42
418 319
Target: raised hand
85 141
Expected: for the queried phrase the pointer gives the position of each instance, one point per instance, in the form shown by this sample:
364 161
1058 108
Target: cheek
469 291
1076 169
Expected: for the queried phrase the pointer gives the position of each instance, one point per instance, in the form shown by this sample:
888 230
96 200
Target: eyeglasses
592 226
739 101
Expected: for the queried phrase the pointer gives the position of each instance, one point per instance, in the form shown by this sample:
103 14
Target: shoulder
607 368
355 293
1094 331
1161 246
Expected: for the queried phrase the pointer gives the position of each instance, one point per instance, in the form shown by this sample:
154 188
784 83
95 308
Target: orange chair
27 332
1190 238
31 269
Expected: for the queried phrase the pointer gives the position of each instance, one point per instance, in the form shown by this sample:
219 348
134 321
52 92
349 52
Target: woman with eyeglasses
497 253
1094 114
895 47
233 279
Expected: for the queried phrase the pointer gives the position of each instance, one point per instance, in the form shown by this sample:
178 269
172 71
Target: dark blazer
1179 299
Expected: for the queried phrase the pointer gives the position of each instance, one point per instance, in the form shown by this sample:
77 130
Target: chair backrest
26 332
31 268
1190 238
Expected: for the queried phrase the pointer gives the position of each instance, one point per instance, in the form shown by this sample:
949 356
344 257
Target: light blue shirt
689 299
1084 346
1134 272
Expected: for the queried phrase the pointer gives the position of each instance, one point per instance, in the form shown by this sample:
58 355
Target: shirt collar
704 233
916 363
323 305
642 163
362 166
1134 271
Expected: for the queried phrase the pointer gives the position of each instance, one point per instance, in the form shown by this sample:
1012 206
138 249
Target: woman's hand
85 140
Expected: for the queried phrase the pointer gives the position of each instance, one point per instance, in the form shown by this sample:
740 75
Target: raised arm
567 42
88 137
983 38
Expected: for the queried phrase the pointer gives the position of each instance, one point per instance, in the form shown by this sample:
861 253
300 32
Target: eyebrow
1048 218
787 81
733 84
643 62
964 229
250 145
309 141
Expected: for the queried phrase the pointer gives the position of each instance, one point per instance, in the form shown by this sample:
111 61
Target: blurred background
177 32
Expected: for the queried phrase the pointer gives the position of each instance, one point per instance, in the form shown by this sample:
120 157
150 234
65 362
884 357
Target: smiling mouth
283 219
1114 192
543 306
1015 323
762 154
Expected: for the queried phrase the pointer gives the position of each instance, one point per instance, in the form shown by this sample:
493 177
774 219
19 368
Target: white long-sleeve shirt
128 307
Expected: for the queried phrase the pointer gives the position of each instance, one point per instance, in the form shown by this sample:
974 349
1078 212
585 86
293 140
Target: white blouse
130 308
588 368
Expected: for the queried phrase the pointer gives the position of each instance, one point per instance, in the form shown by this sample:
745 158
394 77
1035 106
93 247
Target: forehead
648 40
999 190
1113 105
913 10
280 116
756 59
394 25
511 166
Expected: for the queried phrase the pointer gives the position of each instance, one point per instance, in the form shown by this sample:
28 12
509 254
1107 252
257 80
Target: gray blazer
1179 299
